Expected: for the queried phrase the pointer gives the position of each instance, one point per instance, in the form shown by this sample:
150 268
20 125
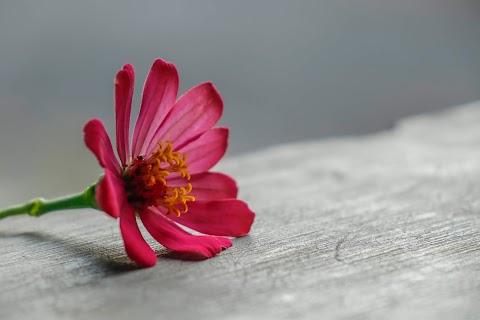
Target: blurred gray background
287 70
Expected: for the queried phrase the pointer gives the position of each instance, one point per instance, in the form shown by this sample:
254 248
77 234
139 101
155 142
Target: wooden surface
385 226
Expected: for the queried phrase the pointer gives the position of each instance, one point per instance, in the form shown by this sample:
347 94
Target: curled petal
227 217
97 140
208 186
135 245
159 95
206 151
124 83
175 238
197 110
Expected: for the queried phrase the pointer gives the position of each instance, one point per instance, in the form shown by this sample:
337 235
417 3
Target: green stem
40 206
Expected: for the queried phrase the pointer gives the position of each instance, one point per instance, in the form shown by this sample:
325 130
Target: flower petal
135 245
227 217
208 186
206 151
97 140
110 194
112 198
159 95
175 238
197 110
124 83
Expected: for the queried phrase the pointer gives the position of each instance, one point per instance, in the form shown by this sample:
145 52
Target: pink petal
124 83
159 95
227 217
206 151
175 238
135 245
97 140
208 186
110 194
112 198
193 114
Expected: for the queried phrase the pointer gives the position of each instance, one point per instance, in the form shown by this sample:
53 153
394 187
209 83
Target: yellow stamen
146 182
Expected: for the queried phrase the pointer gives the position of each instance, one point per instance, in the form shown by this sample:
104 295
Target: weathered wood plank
380 226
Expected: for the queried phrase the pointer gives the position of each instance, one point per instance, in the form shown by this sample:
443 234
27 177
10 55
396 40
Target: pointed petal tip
211 86
215 96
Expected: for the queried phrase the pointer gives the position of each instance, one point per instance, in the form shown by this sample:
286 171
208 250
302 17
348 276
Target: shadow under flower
93 256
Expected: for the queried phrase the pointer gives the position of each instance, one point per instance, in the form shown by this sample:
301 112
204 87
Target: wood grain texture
385 226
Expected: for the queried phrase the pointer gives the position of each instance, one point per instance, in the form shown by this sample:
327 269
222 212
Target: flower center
146 182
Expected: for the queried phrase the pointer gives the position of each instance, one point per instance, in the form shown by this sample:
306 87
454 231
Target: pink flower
165 173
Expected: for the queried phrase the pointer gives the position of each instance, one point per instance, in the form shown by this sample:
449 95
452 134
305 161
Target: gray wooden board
385 226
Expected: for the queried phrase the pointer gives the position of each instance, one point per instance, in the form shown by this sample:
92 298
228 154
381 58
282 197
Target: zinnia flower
164 179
